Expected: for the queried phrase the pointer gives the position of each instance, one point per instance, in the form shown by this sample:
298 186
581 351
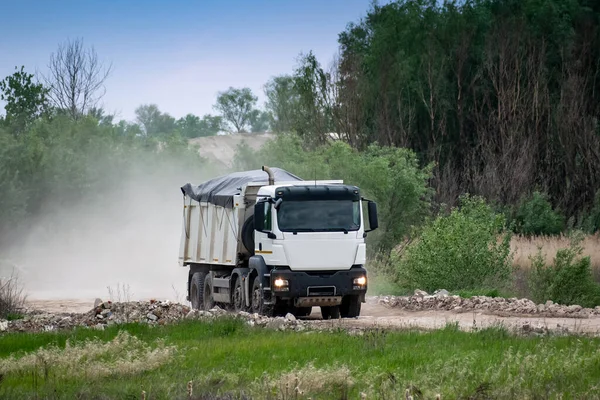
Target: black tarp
220 191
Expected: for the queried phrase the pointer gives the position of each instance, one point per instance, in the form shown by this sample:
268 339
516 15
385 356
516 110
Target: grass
524 248
227 357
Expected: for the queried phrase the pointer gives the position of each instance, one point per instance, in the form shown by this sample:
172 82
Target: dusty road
381 316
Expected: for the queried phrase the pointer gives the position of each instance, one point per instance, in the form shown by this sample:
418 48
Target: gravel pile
151 312
442 300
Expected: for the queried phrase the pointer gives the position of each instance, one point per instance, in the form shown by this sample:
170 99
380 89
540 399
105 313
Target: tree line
502 95
74 86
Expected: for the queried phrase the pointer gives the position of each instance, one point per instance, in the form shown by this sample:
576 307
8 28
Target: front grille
321 291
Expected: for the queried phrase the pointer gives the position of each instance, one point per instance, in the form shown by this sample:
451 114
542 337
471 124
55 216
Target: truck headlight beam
281 284
360 281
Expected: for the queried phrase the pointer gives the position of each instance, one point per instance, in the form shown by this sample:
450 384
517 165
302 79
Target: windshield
319 215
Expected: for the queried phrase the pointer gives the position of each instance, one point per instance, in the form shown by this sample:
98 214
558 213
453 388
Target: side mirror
259 220
278 203
373 221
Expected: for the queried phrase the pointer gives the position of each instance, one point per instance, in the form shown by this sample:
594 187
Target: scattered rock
290 317
152 312
151 317
443 300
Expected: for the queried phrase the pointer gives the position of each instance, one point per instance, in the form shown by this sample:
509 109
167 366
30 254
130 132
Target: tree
153 122
192 126
25 100
76 78
236 106
282 102
259 121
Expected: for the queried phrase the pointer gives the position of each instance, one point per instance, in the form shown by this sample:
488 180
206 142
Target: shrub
465 250
12 298
535 216
568 280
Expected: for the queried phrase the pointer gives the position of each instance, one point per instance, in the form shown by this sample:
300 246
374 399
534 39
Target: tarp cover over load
220 191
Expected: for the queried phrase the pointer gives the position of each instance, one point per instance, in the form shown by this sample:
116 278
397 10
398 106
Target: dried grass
122 356
524 248
309 380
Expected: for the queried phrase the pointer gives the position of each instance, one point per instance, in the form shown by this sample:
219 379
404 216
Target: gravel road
376 315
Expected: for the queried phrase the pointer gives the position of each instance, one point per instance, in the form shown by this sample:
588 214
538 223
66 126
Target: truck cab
311 237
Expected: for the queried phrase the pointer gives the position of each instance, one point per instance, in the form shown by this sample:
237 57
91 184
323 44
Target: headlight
279 283
360 281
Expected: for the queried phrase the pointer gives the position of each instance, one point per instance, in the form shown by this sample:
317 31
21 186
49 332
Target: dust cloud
121 241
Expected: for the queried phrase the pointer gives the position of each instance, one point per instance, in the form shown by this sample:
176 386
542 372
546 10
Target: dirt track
381 316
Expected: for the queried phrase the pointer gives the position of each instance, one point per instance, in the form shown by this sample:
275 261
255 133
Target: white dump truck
268 242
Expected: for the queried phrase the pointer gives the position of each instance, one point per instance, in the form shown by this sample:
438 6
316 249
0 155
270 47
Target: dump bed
215 214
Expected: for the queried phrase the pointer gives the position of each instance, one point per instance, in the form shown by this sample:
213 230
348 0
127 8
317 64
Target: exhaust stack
271 175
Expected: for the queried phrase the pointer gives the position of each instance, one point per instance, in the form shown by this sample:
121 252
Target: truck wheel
350 307
197 290
301 311
238 295
258 302
330 312
209 301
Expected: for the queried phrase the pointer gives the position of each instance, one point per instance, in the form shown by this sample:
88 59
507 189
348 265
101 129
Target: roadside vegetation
172 361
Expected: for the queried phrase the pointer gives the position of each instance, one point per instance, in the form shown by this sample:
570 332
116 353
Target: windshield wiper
295 231
335 230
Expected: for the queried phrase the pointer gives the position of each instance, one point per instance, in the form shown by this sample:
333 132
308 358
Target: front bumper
318 284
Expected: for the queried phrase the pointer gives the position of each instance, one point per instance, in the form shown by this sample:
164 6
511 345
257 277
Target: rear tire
209 301
350 307
197 290
238 296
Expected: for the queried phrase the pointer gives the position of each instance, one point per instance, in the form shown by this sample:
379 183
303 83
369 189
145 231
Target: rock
3 326
276 323
97 303
151 316
290 317
574 308
441 293
420 293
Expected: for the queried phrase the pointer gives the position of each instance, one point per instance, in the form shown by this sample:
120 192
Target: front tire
258 301
301 311
350 307
197 290
330 312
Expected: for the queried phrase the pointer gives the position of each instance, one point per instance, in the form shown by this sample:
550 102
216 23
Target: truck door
263 235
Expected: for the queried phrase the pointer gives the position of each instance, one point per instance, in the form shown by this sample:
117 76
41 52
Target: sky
174 53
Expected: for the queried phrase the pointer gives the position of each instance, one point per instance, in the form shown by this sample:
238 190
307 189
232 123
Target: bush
12 298
465 250
568 280
536 217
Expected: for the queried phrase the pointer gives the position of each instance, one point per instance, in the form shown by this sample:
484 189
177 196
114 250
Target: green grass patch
228 357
